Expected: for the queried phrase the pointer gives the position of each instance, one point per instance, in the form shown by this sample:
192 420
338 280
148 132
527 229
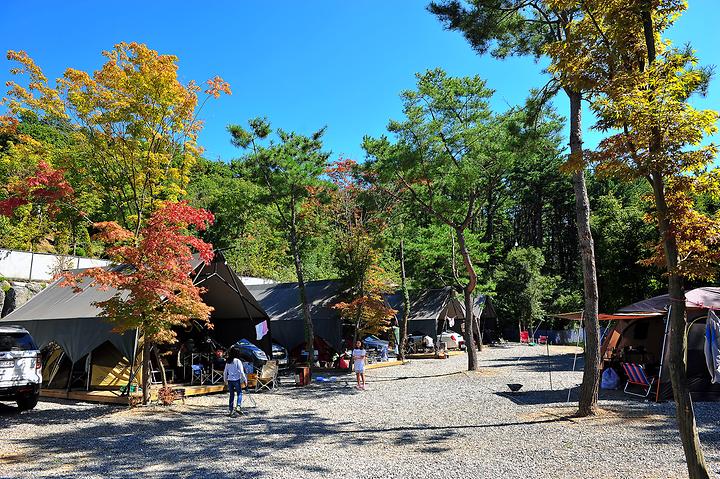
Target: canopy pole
547 347
662 352
577 346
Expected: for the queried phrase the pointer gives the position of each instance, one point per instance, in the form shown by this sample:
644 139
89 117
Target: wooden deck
114 397
433 355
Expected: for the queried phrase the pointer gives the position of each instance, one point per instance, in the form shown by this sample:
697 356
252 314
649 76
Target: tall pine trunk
307 319
591 372
467 296
406 303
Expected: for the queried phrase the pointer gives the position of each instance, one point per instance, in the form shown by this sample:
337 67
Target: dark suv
20 367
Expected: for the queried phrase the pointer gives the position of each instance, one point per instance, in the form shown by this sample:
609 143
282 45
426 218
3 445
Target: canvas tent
281 301
435 310
641 333
70 320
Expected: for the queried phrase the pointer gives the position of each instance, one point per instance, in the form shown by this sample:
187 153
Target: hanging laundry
261 329
712 346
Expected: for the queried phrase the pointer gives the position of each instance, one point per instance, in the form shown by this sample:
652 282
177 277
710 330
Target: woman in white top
359 356
234 377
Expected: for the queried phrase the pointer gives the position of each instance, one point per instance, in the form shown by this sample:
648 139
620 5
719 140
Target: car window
16 342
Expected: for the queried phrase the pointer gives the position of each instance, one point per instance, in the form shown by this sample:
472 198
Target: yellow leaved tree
642 85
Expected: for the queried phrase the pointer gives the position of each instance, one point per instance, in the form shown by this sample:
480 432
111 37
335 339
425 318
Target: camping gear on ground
268 377
524 337
343 363
610 379
636 376
302 375
712 346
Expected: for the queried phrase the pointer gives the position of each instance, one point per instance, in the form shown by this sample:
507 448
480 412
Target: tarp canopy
700 298
71 320
577 316
281 301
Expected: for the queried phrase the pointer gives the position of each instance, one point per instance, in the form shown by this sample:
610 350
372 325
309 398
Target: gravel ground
428 418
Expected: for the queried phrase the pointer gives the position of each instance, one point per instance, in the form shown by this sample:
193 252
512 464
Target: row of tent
432 311
69 320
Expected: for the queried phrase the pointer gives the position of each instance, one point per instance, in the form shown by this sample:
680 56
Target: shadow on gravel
555 362
46 414
195 441
540 397
402 378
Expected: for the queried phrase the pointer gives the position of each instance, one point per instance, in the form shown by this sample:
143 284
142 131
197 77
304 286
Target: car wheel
25 403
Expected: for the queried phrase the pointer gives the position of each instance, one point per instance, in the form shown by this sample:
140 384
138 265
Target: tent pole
69 383
662 353
88 370
577 346
132 363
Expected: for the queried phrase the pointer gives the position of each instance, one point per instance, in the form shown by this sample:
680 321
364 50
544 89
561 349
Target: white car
20 367
452 340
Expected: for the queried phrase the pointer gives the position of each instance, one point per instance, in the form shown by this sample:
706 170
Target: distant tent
640 336
281 301
435 310
59 315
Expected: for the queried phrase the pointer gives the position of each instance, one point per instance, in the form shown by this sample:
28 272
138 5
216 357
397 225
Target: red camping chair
636 376
524 337
542 339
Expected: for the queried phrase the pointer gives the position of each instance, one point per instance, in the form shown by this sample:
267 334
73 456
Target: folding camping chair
199 376
268 377
524 337
636 376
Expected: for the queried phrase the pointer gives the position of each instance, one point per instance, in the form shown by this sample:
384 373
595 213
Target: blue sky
304 65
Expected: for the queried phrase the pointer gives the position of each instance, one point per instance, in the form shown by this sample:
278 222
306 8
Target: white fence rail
26 266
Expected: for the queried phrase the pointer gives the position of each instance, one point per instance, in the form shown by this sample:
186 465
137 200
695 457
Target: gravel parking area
429 418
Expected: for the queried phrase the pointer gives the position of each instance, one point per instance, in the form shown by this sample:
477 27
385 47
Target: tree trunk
146 368
684 411
163 376
467 296
309 333
358 315
697 469
591 372
478 332
406 303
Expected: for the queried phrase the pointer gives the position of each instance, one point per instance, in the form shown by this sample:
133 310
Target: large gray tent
59 314
281 301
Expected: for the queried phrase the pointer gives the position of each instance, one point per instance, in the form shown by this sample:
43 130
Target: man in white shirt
234 377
